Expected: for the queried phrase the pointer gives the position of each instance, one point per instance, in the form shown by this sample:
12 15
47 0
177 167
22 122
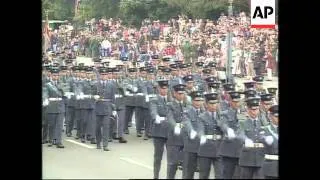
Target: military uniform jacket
128 86
106 90
176 114
191 123
88 89
158 106
53 91
210 124
252 156
140 101
270 167
78 89
72 101
230 147
263 118
119 99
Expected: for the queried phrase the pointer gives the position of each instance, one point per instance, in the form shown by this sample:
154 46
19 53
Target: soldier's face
163 90
274 119
179 96
143 74
212 107
190 85
253 112
235 104
259 86
266 105
197 104
55 77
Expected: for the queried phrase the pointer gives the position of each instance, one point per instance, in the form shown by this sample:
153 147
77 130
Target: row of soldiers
99 101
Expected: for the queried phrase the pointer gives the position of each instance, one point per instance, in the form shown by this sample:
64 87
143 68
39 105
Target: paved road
133 160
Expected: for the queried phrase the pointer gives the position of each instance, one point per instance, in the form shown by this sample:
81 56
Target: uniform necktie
254 123
198 112
164 100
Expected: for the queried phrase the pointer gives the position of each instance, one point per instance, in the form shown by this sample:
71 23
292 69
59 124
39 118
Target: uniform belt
87 96
55 99
179 125
214 137
256 145
106 100
152 95
271 157
118 96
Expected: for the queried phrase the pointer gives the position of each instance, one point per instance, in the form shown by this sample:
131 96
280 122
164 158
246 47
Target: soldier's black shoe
68 134
110 140
83 140
122 140
93 141
44 142
114 136
77 137
139 134
98 146
106 149
60 146
145 137
126 131
50 144
54 142
130 124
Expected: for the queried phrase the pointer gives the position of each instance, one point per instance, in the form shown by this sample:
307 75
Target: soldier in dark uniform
230 147
175 76
266 103
104 100
183 70
188 80
87 109
225 97
271 157
259 85
191 140
55 109
151 93
176 115
206 73
252 154
249 85
77 89
130 86
159 129
119 126
70 115
210 138
273 91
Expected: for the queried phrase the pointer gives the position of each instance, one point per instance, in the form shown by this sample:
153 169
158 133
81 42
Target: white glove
203 140
45 102
147 98
139 94
248 143
78 97
269 140
177 130
114 113
96 97
135 89
231 134
158 119
193 134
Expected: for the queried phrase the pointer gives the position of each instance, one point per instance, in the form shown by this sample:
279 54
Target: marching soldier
78 91
71 102
159 129
130 86
249 85
176 115
230 147
252 154
271 157
259 85
55 109
120 124
188 79
191 140
225 97
266 103
198 76
273 91
210 138
175 76
183 69
87 109
104 100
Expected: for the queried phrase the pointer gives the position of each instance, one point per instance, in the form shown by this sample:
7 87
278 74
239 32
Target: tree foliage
132 12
